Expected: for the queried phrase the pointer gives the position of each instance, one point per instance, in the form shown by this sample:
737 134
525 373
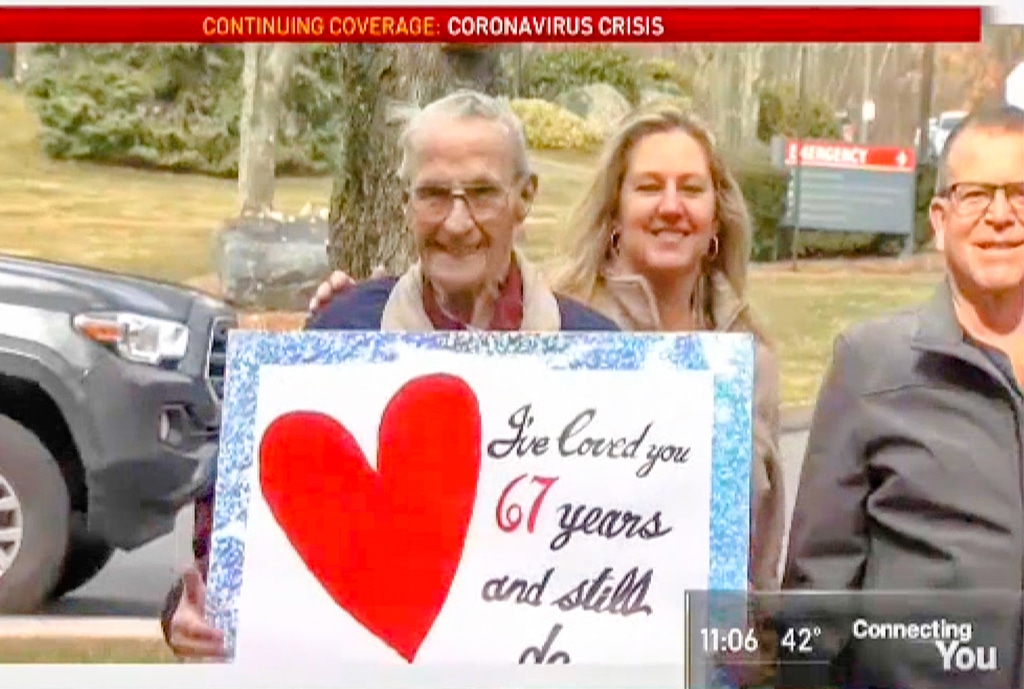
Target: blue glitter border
729 356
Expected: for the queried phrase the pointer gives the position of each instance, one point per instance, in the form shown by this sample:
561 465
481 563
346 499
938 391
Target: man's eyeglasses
435 203
974 198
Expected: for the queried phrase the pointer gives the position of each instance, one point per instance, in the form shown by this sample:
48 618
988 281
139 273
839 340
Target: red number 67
510 515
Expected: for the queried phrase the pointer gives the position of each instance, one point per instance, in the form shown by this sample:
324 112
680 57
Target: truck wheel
34 515
86 556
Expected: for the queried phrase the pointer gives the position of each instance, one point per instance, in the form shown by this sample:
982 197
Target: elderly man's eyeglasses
973 198
435 203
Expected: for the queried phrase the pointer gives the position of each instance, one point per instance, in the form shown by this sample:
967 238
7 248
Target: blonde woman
660 242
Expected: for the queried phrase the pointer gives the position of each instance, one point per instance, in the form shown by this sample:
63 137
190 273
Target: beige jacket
404 308
628 301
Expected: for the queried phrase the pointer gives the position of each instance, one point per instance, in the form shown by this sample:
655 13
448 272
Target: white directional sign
1015 86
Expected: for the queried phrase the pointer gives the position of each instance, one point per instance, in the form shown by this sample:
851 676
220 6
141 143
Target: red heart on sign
384 544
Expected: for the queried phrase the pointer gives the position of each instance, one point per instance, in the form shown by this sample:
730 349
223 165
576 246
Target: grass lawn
162 225
806 310
83 651
153 224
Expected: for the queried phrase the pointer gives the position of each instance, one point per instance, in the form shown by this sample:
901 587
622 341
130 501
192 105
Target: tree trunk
22 61
367 224
246 123
474 66
7 60
1006 44
924 99
265 78
750 69
720 89
866 91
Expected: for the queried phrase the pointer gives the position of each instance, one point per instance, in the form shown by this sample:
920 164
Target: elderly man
468 190
913 473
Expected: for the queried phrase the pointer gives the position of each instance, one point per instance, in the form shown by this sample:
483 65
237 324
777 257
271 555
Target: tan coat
404 308
629 302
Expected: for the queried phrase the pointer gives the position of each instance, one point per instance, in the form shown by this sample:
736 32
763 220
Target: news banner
237 23
804 640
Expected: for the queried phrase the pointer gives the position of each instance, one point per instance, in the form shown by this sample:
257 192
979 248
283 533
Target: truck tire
34 520
85 558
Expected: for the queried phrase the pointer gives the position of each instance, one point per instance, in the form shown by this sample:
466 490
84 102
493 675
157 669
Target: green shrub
551 127
99 120
666 76
548 73
781 112
764 188
684 103
818 244
176 107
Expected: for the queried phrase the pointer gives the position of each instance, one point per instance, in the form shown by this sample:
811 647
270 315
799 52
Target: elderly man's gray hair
1001 118
463 105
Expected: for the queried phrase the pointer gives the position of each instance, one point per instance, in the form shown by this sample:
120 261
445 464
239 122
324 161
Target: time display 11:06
728 640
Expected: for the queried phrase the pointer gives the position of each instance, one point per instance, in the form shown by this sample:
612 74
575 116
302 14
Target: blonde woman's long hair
590 233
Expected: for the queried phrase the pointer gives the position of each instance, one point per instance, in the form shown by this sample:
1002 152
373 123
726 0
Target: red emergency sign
849 156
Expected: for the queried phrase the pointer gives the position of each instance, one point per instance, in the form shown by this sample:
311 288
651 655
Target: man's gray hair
1001 118
464 104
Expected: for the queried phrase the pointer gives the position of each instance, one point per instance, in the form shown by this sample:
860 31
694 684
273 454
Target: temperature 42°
800 640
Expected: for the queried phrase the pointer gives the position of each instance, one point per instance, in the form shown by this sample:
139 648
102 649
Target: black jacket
913 481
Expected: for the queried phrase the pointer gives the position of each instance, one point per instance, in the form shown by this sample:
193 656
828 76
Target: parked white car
933 123
1015 86
947 122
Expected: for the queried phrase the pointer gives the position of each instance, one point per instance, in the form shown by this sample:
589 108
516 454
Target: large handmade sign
400 509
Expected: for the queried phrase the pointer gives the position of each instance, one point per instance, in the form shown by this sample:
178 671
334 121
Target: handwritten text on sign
589 521
613 592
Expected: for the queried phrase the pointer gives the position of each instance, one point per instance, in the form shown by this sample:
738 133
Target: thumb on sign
190 636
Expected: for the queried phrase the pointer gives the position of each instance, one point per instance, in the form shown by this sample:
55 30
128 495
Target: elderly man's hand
337 282
191 637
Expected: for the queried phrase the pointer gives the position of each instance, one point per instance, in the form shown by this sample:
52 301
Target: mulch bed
928 262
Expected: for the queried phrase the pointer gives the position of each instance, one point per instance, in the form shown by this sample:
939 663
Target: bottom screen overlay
918 639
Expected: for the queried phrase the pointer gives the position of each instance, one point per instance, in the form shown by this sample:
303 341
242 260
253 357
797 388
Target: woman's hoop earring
713 252
613 244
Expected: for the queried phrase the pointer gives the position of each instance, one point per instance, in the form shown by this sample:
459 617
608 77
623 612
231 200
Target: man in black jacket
913 476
